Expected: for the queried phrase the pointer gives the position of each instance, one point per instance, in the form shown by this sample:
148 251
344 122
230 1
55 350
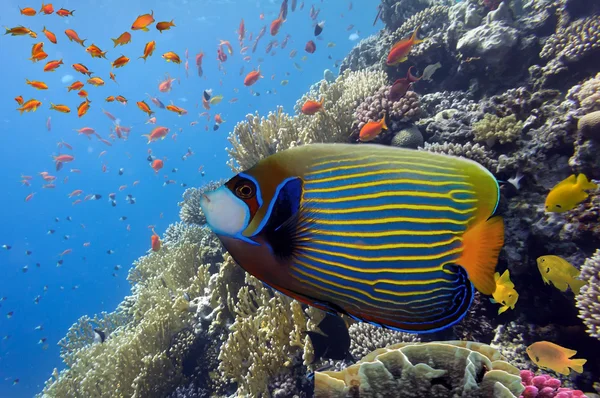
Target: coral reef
545 386
587 299
493 129
436 369
366 338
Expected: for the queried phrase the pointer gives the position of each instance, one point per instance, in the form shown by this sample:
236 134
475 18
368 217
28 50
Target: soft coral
545 386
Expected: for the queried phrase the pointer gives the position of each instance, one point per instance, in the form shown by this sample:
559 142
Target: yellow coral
492 129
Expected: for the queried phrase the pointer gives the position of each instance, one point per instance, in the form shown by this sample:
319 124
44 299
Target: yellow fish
568 193
216 99
505 292
560 272
554 357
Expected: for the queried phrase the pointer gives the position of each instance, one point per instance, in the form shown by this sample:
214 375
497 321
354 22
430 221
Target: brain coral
437 369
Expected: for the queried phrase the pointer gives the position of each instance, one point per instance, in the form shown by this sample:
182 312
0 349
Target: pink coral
545 386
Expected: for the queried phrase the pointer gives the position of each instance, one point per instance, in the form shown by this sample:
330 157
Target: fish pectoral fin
482 243
577 364
502 309
560 285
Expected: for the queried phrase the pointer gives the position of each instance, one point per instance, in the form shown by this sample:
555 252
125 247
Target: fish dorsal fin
568 352
281 229
569 181
505 280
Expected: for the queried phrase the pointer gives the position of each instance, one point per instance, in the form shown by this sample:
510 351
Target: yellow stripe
377 270
378 172
387 245
374 282
416 160
384 163
387 207
447 195
389 220
389 182
400 232
385 258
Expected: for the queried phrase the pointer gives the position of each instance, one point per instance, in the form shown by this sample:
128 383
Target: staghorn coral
256 138
493 129
436 369
587 299
190 212
366 338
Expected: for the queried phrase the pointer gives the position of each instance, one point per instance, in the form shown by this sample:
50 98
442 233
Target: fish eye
245 189
510 295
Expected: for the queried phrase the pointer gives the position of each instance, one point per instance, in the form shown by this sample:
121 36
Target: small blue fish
390 236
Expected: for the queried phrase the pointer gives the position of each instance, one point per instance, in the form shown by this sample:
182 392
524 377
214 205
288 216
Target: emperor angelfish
386 235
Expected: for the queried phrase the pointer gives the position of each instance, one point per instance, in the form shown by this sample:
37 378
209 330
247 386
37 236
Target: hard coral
492 129
437 369
587 299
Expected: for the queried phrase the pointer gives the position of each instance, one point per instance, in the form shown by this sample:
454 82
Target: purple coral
545 386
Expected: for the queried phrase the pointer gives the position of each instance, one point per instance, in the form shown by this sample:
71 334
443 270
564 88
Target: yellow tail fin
414 38
482 243
583 182
577 364
576 285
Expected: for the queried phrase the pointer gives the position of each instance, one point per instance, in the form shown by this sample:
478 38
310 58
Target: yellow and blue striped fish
390 236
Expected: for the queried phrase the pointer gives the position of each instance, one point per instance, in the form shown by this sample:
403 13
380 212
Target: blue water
85 284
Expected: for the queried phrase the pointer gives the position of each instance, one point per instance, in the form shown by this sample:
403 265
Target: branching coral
257 138
417 370
366 338
493 129
587 299
577 40
471 151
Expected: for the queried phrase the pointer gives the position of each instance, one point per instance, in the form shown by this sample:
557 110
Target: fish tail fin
577 364
583 182
383 124
322 101
576 285
83 42
172 23
414 38
115 41
147 136
482 243
52 106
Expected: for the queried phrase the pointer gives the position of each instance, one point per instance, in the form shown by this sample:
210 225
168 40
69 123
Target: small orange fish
157 164
30 106
96 81
311 107
83 107
73 36
276 25
148 49
123 39
83 94
40 55
52 65
76 192
252 77
142 22
121 99
37 47
164 26
219 119
63 12
47 8
60 108
49 35
110 98
19 100
113 77
75 86
155 241
95 51
371 130
176 109
82 69
28 11
20 31
144 108
399 52
120 62
36 84
171 56
157 133
29 197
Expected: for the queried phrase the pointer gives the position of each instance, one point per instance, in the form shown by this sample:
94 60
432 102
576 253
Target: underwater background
512 85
